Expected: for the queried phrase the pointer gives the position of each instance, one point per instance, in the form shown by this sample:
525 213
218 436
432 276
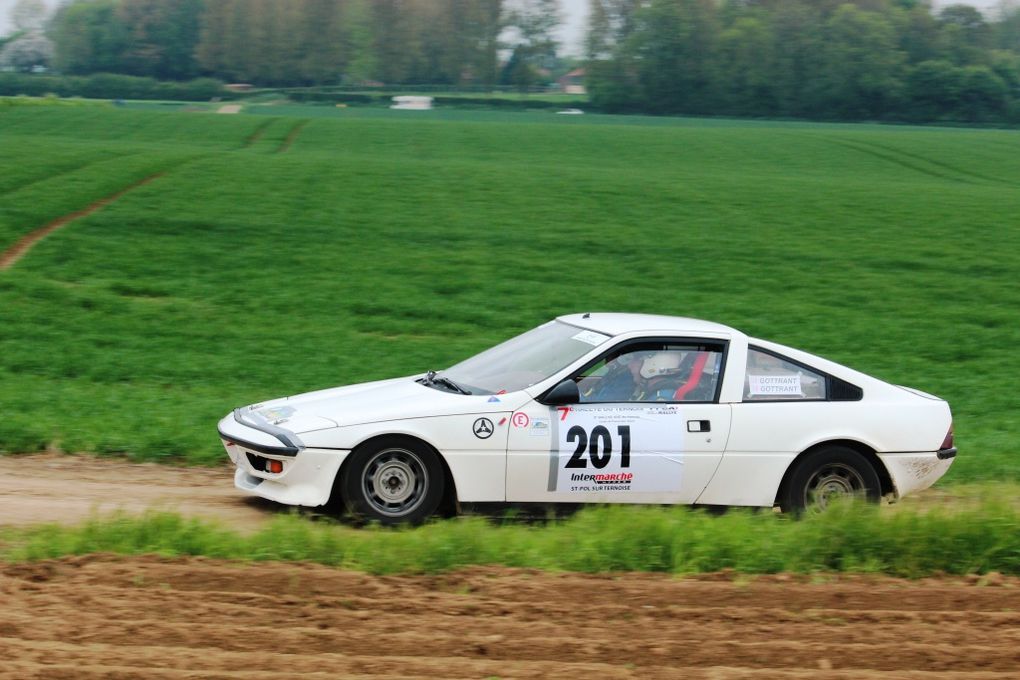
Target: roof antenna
586 315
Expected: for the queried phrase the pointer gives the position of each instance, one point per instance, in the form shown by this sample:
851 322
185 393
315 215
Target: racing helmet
661 363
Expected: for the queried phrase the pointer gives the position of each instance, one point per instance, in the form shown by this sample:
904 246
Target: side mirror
564 393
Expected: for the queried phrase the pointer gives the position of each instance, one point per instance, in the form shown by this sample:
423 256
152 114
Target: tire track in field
890 158
10 257
292 135
255 136
937 163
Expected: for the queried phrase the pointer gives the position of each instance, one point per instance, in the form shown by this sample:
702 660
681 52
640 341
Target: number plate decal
628 448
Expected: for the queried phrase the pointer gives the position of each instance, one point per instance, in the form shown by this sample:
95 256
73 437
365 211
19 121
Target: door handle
699 426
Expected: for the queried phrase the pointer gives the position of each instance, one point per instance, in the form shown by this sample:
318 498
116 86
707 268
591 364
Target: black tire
830 472
393 481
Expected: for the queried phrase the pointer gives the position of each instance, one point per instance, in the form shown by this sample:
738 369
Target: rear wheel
393 481
828 474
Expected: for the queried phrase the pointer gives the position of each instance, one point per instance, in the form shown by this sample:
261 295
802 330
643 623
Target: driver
662 374
621 381
639 376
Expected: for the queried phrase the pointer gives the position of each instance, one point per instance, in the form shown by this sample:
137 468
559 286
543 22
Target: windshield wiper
430 379
443 380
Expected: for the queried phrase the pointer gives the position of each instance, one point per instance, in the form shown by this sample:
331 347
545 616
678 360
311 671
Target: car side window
653 372
772 378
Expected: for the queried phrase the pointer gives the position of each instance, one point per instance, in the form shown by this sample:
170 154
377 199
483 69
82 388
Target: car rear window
770 377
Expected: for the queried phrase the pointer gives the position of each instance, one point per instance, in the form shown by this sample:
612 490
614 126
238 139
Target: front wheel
393 481
828 474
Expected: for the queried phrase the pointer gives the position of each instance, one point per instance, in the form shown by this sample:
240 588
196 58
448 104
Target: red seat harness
692 382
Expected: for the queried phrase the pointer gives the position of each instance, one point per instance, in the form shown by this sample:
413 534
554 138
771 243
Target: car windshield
525 360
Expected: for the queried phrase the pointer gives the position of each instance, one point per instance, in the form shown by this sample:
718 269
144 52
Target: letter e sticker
520 419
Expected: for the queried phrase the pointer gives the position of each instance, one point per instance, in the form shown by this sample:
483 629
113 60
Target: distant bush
49 99
326 96
110 86
507 103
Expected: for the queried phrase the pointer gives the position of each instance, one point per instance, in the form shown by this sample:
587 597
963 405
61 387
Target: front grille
257 462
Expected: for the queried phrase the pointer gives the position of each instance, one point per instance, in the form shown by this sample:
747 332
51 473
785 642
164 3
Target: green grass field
383 243
907 543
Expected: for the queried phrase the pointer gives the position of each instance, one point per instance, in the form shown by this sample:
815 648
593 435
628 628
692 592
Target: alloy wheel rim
831 482
395 482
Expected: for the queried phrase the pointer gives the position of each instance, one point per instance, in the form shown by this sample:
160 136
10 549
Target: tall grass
605 539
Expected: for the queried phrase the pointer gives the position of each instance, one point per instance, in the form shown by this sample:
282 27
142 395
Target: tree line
834 59
300 42
828 59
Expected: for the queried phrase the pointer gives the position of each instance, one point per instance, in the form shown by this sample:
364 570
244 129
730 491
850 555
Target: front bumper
307 474
306 480
259 435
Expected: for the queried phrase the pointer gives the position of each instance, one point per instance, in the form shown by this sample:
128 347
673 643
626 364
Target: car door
784 407
646 428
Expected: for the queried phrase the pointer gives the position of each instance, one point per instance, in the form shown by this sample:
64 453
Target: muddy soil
102 616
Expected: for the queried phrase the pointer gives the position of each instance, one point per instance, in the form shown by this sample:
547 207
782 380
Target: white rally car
598 408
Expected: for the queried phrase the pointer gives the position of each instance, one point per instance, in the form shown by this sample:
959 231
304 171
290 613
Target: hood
374 402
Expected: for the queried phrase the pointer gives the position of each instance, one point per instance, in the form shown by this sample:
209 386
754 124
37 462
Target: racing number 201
599 454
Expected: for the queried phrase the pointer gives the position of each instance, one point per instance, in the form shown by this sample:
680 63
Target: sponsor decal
774 385
624 449
539 427
483 428
502 421
520 419
590 338
604 478
277 414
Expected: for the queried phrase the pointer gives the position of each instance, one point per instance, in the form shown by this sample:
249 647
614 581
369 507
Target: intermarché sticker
603 450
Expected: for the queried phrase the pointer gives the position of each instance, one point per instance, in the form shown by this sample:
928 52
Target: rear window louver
841 390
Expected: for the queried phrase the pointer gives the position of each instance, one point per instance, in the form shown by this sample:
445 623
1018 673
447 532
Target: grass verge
907 543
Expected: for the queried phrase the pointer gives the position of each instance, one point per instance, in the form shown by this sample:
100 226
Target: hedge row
48 100
110 86
386 98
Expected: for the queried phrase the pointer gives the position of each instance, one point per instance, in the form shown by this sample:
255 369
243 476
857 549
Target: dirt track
111 617
58 488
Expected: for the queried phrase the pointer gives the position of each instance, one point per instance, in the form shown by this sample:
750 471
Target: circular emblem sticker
482 428
520 420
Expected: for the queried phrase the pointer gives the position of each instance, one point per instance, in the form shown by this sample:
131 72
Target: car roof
615 323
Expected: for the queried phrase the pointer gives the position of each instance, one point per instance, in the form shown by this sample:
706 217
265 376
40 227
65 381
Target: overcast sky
574 15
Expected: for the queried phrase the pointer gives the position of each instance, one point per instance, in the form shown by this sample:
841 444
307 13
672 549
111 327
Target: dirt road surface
67 489
110 617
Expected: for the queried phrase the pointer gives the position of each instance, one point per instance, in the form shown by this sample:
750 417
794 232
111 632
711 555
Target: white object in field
571 112
412 102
